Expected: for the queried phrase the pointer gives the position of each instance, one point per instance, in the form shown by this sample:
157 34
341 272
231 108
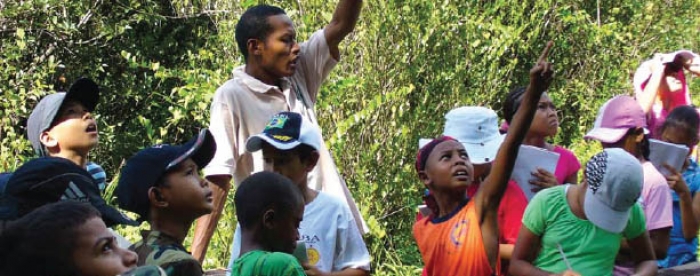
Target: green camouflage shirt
162 250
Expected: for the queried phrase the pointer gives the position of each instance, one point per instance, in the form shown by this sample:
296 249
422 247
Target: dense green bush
406 64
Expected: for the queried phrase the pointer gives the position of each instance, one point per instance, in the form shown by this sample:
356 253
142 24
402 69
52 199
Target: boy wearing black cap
334 245
162 185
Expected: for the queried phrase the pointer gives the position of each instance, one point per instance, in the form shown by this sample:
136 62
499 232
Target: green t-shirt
263 263
589 249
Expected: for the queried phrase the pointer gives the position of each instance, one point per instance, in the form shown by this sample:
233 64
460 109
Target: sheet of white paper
661 152
529 159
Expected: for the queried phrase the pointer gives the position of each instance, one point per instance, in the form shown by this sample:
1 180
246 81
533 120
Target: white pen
566 261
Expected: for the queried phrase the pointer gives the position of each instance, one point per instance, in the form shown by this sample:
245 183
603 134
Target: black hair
42 242
512 103
254 25
304 152
683 117
643 145
262 191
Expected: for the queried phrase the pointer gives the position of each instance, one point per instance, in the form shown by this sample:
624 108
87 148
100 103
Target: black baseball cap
143 170
83 90
45 180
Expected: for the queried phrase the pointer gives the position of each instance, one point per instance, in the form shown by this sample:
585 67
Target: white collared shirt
242 106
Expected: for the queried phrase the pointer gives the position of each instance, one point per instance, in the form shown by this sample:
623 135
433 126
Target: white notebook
529 159
661 152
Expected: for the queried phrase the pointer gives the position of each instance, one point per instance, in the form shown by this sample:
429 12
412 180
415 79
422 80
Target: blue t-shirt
680 250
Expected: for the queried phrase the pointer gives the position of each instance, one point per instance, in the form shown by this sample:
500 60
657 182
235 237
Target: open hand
543 179
675 180
541 75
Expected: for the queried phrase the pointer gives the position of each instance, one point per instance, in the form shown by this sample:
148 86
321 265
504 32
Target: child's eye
108 246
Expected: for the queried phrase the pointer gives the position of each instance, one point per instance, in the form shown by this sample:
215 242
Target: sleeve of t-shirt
351 251
534 217
568 164
224 129
190 267
510 213
659 208
315 62
636 224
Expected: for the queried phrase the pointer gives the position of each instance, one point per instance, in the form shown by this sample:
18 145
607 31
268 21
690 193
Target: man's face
279 52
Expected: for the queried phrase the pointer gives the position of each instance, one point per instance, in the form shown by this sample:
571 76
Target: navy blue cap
143 170
45 180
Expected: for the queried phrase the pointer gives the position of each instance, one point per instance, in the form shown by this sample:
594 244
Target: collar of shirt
258 86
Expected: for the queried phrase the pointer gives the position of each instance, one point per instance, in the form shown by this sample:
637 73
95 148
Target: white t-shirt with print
332 239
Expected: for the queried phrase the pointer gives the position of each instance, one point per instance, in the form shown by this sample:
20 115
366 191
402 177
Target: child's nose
129 257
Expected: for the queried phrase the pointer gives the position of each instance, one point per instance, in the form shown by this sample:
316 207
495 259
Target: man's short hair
254 25
264 190
43 241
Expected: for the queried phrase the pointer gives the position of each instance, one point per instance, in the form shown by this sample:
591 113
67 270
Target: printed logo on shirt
313 255
459 231
311 252
277 122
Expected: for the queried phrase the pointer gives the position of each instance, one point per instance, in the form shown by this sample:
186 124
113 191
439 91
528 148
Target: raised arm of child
648 95
489 195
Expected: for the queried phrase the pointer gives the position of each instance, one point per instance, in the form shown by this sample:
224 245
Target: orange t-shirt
453 245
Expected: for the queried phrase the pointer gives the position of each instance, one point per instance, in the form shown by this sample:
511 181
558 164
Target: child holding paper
621 124
681 127
544 125
462 237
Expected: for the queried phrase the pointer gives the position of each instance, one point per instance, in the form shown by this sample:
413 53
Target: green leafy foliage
406 64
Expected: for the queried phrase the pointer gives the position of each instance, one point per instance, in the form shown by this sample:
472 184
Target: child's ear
269 219
424 178
47 140
312 161
156 197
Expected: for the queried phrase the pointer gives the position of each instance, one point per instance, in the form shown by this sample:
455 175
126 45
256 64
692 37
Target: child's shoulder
268 263
158 249
327 199
328 204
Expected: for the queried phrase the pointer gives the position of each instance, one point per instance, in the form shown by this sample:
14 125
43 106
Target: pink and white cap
615 118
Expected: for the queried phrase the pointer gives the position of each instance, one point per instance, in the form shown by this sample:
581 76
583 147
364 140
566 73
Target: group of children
624 217
60 220
52 211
